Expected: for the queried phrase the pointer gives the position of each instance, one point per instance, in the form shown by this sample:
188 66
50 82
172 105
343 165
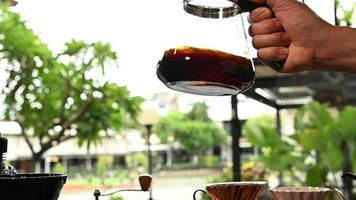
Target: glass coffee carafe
212 55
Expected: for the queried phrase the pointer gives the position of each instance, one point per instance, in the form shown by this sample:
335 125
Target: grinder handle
277 65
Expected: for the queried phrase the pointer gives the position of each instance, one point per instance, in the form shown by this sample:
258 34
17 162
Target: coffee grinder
36 186
145 184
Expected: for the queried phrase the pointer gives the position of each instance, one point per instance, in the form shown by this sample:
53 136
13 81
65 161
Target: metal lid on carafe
215 9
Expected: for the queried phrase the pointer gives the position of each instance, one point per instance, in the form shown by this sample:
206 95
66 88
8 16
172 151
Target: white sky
135 30
139 31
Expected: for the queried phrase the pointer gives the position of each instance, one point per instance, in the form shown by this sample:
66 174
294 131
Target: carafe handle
248 6
277 65
196 191
337 193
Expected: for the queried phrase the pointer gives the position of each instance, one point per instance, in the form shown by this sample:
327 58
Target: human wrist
324 48
336 49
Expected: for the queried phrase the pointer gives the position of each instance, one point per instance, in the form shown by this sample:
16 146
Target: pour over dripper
305 193
248 190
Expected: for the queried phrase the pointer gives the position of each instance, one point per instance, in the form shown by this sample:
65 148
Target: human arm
289 31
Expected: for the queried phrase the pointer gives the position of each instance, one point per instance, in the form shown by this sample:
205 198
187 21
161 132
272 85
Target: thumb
282 5
259 1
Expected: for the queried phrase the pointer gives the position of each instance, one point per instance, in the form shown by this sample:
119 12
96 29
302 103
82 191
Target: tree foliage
316 146
195 131
276 151
199 112
344 14
58 96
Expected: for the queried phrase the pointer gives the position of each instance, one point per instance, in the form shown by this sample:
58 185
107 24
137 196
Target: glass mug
244 190
211 57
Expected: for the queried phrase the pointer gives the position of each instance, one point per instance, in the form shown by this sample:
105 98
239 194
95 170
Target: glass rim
300 189
34 176
237 183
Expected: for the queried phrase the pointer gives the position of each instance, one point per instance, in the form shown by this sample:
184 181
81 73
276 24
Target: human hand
289 31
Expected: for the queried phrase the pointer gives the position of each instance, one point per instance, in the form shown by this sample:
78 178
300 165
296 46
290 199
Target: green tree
103 165
116 197
196 133
344 15
196 137
57 97
59 168
9 2
199 112
167 126
137 161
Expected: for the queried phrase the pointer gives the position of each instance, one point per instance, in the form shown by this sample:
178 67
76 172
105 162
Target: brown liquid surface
205 71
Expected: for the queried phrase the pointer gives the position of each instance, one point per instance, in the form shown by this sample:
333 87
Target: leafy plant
55 97
334 136
209 161
59 168
345 14
103 165
116 197
324 143
276 151
253 171
224 176
137 160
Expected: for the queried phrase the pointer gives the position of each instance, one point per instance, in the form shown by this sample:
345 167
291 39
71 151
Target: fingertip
260 14
272 54
250 31
282 53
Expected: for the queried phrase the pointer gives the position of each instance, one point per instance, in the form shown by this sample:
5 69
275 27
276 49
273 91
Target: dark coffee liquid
205 71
